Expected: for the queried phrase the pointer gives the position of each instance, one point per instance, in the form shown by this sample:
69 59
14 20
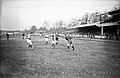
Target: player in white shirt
46 39
29 41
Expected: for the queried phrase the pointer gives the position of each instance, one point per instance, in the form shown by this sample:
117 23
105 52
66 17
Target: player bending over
69 40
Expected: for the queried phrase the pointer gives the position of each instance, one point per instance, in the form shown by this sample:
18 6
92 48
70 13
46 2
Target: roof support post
118 30
102 30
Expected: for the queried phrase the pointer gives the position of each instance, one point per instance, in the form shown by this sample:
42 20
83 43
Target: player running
23 35
69 40
56 38
46 39
7 36
53 40
29 41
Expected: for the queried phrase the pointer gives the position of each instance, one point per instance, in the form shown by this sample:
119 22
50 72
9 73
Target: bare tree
85 18
117 6
46 24
33 29
59 23
58 26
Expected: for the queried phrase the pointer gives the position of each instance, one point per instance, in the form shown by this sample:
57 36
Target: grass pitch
91 59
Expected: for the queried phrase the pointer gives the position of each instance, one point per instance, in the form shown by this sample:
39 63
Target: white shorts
29 41
56 41
53 42
46 39
69 44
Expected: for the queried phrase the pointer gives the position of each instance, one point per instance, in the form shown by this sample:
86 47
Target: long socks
73 47
68 47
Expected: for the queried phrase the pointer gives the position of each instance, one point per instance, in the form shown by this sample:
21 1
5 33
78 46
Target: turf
91 59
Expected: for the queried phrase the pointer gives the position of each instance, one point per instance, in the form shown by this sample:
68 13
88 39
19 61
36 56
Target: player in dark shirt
69 40
7 36
53 40
23 35
57 38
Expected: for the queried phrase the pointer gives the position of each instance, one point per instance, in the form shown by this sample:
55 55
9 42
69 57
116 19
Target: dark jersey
7 35
68 38
57 37
23 34
53 37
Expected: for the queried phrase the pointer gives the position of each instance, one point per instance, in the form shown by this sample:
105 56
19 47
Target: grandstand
106 24
10 32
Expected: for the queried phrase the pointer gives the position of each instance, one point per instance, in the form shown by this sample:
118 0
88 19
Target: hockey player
69 40
56 38
53 40
29 41
46 39
7 36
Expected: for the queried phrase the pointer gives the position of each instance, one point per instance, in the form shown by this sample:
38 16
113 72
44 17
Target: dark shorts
56 39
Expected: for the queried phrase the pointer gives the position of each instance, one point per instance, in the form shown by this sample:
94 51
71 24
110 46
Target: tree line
60 25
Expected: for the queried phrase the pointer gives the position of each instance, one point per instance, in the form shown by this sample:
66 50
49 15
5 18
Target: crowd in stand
112 16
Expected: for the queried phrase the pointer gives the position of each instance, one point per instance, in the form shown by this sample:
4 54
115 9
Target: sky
22 14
